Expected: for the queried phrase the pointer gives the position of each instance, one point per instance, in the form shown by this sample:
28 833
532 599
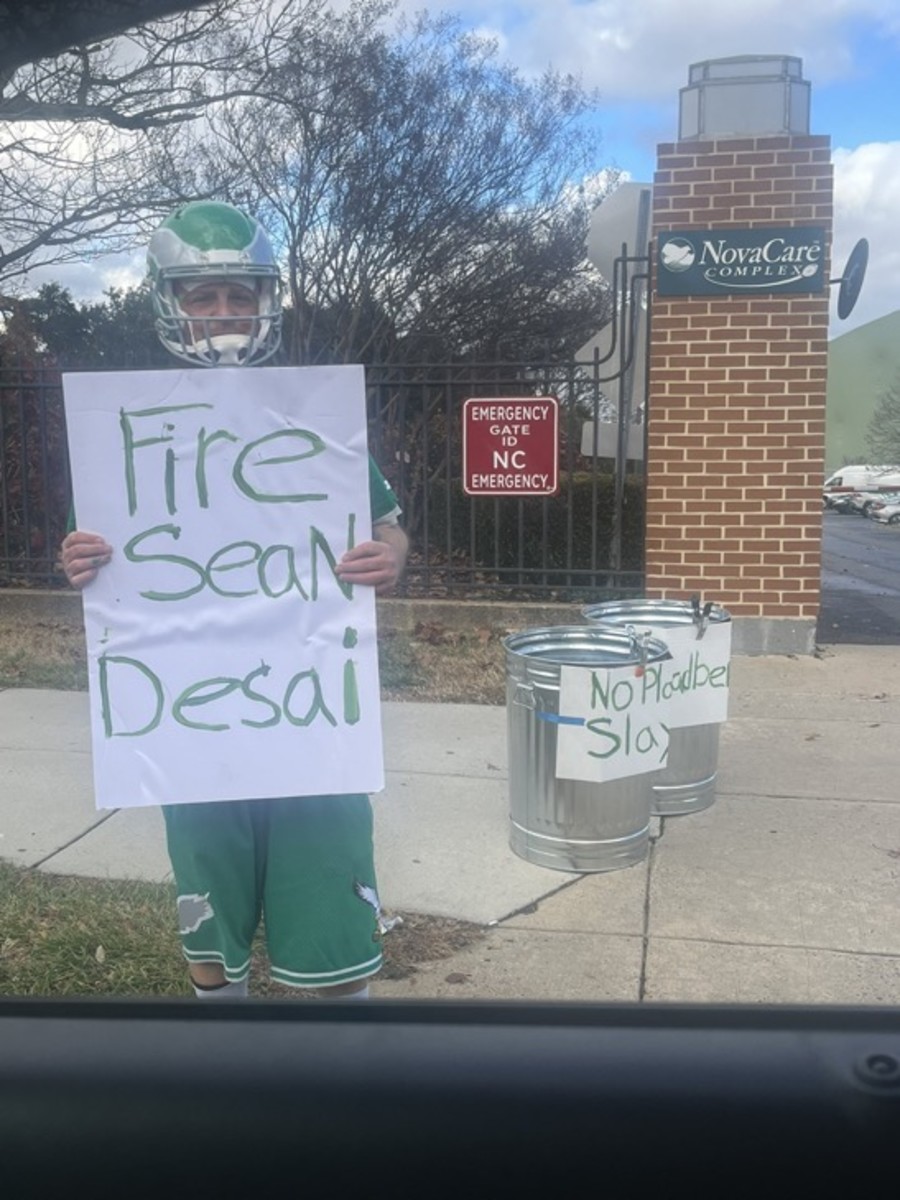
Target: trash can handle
701 618
639 646
525 690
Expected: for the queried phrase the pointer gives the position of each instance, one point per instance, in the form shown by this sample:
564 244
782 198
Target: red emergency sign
511 446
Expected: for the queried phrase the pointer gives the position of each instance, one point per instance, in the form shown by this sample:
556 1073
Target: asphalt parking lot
860 582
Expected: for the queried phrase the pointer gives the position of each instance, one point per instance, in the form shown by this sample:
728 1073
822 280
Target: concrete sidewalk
786 890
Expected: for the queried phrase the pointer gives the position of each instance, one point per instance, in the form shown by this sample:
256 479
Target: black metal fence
585 540
35 487
588 538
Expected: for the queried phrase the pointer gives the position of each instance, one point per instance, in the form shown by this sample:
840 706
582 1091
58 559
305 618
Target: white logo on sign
678 255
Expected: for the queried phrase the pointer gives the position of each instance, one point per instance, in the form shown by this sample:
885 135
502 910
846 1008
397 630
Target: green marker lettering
245 560
263 669
318 542
200 693
130 443
174 531
596 726
315 446
292 579
597 691
105 707
170 479
317 704
351 689
203 441
351 694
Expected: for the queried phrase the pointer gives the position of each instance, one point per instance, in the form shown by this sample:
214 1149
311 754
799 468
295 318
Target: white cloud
88 279
637 53
866 204
640 49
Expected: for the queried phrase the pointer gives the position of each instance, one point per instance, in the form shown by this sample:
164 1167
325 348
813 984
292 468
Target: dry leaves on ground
443 665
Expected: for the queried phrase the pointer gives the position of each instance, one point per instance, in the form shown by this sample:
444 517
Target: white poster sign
611 724
693 684
226 658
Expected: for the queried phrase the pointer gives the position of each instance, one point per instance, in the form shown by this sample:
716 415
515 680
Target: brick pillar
736 420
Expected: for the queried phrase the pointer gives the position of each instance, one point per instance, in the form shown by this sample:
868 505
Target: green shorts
302 864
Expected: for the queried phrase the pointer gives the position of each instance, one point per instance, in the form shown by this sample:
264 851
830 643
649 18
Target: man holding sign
304 862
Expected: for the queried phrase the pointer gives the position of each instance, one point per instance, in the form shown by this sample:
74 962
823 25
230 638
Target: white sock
362 994
223 991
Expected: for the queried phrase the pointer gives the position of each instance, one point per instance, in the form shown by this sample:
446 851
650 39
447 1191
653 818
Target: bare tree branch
43 28
420 190
84 135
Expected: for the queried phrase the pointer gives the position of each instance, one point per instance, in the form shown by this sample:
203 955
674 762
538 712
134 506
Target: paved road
860 582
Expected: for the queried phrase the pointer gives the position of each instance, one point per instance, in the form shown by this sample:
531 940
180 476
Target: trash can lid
586 646
653 612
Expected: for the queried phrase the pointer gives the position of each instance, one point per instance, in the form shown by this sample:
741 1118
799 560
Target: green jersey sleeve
381 495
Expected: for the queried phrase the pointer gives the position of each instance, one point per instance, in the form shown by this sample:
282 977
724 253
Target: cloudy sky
637 53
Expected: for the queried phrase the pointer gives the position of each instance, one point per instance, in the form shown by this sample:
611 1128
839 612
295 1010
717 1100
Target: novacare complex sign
708 262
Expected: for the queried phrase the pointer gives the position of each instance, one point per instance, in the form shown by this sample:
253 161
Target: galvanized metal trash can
688 783
567 824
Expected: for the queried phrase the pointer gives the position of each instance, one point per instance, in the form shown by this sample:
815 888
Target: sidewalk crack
533 905
73 840
645 932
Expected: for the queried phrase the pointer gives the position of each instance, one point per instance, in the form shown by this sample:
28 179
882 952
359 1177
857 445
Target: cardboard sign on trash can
612 724
580 800
693 686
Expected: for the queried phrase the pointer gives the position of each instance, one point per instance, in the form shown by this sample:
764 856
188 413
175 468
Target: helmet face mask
214 244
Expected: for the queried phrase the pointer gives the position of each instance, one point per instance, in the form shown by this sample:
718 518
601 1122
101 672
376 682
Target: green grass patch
64 935
439 664
42 654
72 936
398 665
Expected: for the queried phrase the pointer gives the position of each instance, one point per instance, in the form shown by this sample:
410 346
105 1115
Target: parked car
840 503
880 502
887 514
861 502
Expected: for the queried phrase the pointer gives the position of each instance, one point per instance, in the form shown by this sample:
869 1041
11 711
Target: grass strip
70 936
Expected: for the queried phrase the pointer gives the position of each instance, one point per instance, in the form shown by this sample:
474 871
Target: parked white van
862 478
